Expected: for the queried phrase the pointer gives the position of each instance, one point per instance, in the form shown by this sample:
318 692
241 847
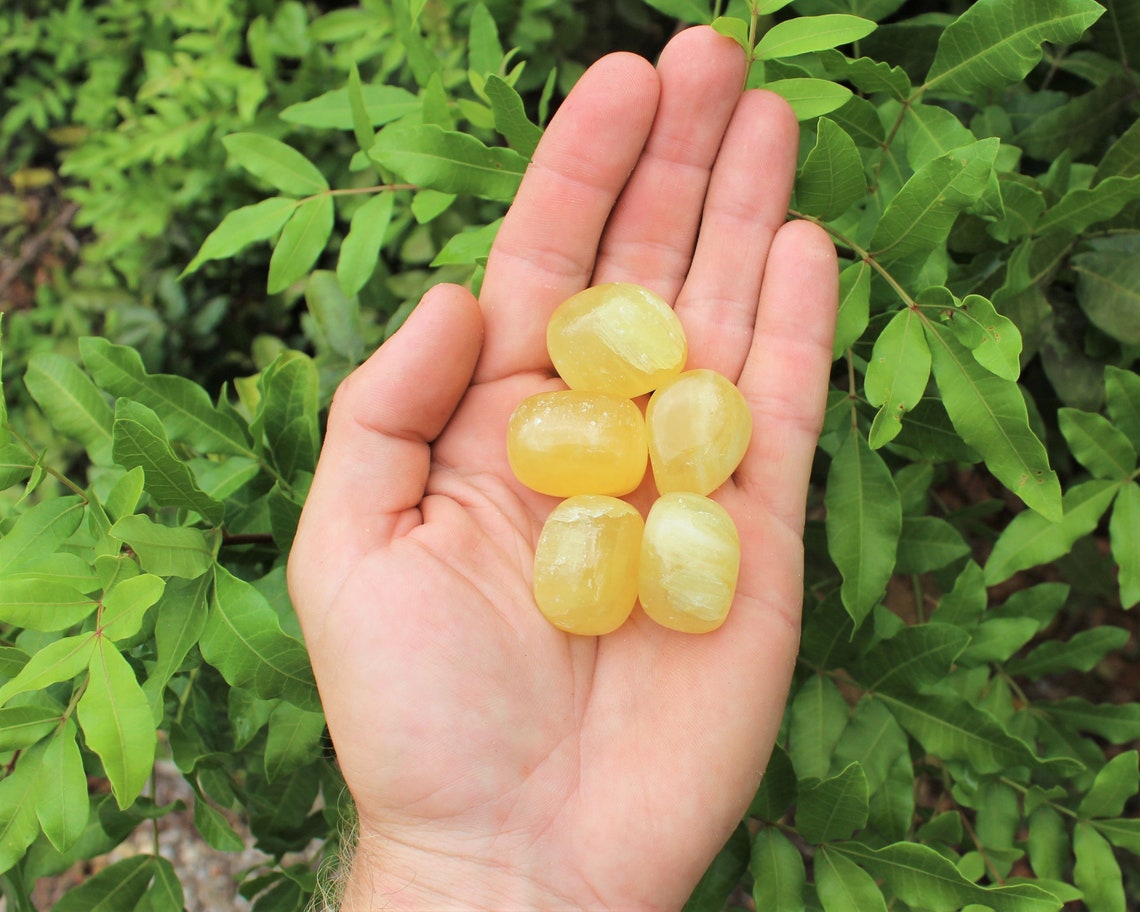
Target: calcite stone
569 442
690 560
699 427
585 564
618 338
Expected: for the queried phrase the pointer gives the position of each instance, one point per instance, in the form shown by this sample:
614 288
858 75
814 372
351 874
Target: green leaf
692 11
994 339
777 791
429 156
510 116
44 605
1031 539
816 719
919 217
778 876
117 722
165 893
336 314
1085 206
275 163
928 543
806 34
924 879
810 97
723 875
1082 652
1108 289
1098 445
952 729
911 660
23 726
854 306
734 28
867 75
40 530
360 250
1097 872
874 740
1048 843
215 829
116 888
1122 394
864 520
62 804
995 43
184 407
833 808
991 416
1124 833
16 463
361 125
243 639
1124 534
831 179
998 638
333 109
165 550
289 412
126 603
1117 781
71 402
180 622
18 825
897 374
843 886
294 740
242 227
301 242
140 441
1116 723
470 246
60 660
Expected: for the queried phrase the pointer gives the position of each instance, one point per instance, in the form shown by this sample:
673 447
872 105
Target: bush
952 740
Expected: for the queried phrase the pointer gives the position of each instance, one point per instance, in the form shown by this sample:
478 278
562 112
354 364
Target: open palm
495 761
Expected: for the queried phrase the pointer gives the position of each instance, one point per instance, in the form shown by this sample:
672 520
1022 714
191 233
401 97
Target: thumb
376 455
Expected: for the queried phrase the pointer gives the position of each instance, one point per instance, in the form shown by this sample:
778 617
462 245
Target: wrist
388 875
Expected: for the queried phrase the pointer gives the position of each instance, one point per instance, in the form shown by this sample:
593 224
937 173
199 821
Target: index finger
545 249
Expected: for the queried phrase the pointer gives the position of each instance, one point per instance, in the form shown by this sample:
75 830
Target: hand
495 761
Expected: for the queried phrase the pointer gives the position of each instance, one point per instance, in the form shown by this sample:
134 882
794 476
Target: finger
375 460
747 203
545 249
650 236
786 374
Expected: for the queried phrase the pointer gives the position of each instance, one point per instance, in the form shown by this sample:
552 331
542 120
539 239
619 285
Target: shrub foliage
975 540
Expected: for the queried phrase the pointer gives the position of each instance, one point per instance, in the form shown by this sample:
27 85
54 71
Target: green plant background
211 211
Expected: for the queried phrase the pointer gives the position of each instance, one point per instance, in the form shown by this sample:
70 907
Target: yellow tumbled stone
618 338
569 442
585 564
690 559
699 426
